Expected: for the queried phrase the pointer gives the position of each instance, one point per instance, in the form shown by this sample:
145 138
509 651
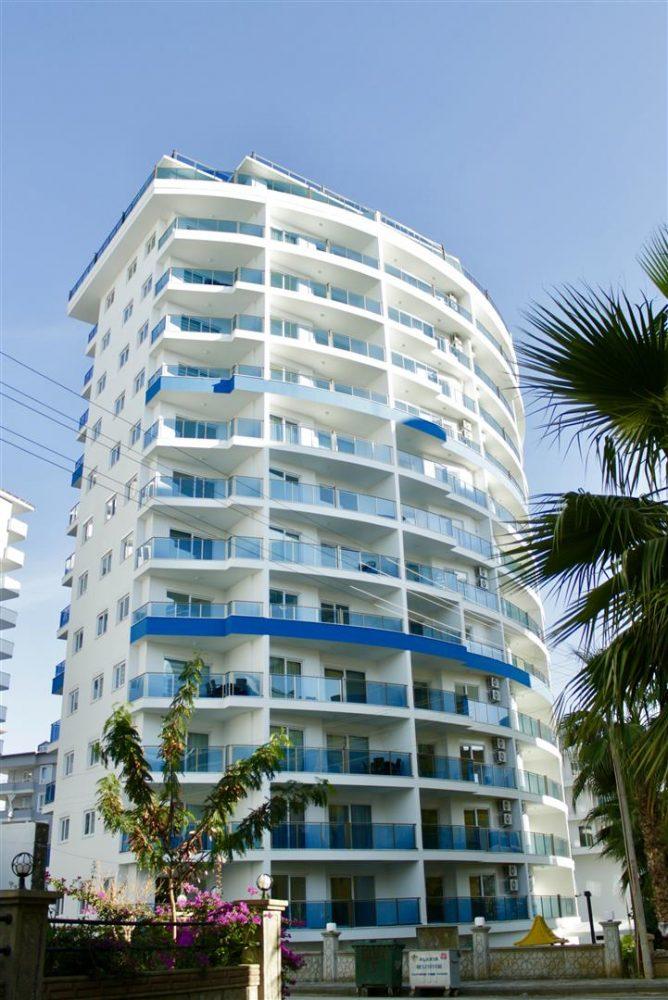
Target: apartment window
68 763
118 675
132 269
109 301
102 623
119 404
586 836
127 312
115 454
87 529
73 701
135 432
127 547
93 753
82 584
139 380
89 823
124 356
110 507
45 773
142 334
105 564
147 286
123 608
130 489
40 802
96 429
64 829
97 686
101 383
78 639
150 244
105 340
91 479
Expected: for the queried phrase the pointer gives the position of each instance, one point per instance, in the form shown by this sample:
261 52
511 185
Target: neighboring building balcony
302 334
304 242
193 278
6 649
338 690
83 423
323 290
8 617
77 475
11 558
50 793
494 775
233 684
485 839
208 326
344 836
87 383
73 520
68 571
437 700
58 678
183 225
3 713
24 785
297 760
54 735
316 914
5 679
63 622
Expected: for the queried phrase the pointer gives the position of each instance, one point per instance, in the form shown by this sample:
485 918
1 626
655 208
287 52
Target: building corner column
480 940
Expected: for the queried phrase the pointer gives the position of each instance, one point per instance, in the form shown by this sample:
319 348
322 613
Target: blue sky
530 138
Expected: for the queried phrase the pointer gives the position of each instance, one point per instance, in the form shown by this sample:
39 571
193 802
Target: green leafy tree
168 840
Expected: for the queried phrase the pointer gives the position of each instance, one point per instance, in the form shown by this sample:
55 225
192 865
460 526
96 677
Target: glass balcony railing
326 338
69 564
446 579
437 700
325 246
5 679
197 488
339 690
539 784
440 525
546 844
521 617
408 364
413 322
234 683
343 836
323 290
464 910
200 549
204 372
58 678
88 376
220 325
312 437
354 913
530 668
303 189
181 427
457 769
54 735
64 616
332 557
443 634
491 384
506 473
500 430
311 760
334 616
552 907
91 333
196 610
83 420
331 496
211 226
425 286
534 727
432 470
204 276
329 385
471 838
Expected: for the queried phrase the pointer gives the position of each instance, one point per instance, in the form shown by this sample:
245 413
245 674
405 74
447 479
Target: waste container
378 964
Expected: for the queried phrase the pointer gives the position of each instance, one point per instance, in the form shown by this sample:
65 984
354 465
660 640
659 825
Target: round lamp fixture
22 866
264 883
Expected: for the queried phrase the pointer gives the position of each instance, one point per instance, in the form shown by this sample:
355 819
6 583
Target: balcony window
150 245
82 584
109 301
89 823
97 687
93 753
104 344
68 763
142 334
64 829
102 623
586 835
78 639
132 269
124 356
73 701
123 608
118 675
119 404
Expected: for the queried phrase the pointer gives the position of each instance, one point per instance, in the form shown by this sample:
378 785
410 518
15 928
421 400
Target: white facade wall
372 470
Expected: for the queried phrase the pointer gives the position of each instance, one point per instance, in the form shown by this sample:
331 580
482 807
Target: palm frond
653 258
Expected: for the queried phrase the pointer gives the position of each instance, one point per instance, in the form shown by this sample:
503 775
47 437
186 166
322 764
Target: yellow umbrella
539 933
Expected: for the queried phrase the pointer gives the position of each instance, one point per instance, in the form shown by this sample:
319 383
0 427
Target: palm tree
597 366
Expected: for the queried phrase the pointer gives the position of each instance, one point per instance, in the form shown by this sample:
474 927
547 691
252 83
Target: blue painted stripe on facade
426 426
319 632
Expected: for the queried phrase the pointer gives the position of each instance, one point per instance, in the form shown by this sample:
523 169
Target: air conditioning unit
494 695
513 885
494 683
511 871
499 743
482 577
506 805
506 819
500 756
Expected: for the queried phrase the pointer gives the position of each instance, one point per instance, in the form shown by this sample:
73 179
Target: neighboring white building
27 786
13 531
600 876
302 454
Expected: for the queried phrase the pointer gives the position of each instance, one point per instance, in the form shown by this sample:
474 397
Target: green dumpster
378 964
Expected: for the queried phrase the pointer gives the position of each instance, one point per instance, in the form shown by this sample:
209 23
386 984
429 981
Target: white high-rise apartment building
13 531
303 460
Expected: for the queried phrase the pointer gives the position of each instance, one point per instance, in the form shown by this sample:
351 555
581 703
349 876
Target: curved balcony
305 334
196 276
328 385
186 223
439 524
515 614
432 470
331 497
494 388
233 684
323 290
445 579
219 326
444 298
323 246
338 690
437 700
344 836
317 913
328 440
333 557
495 775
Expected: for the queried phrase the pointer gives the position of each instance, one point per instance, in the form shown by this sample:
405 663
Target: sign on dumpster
433 969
